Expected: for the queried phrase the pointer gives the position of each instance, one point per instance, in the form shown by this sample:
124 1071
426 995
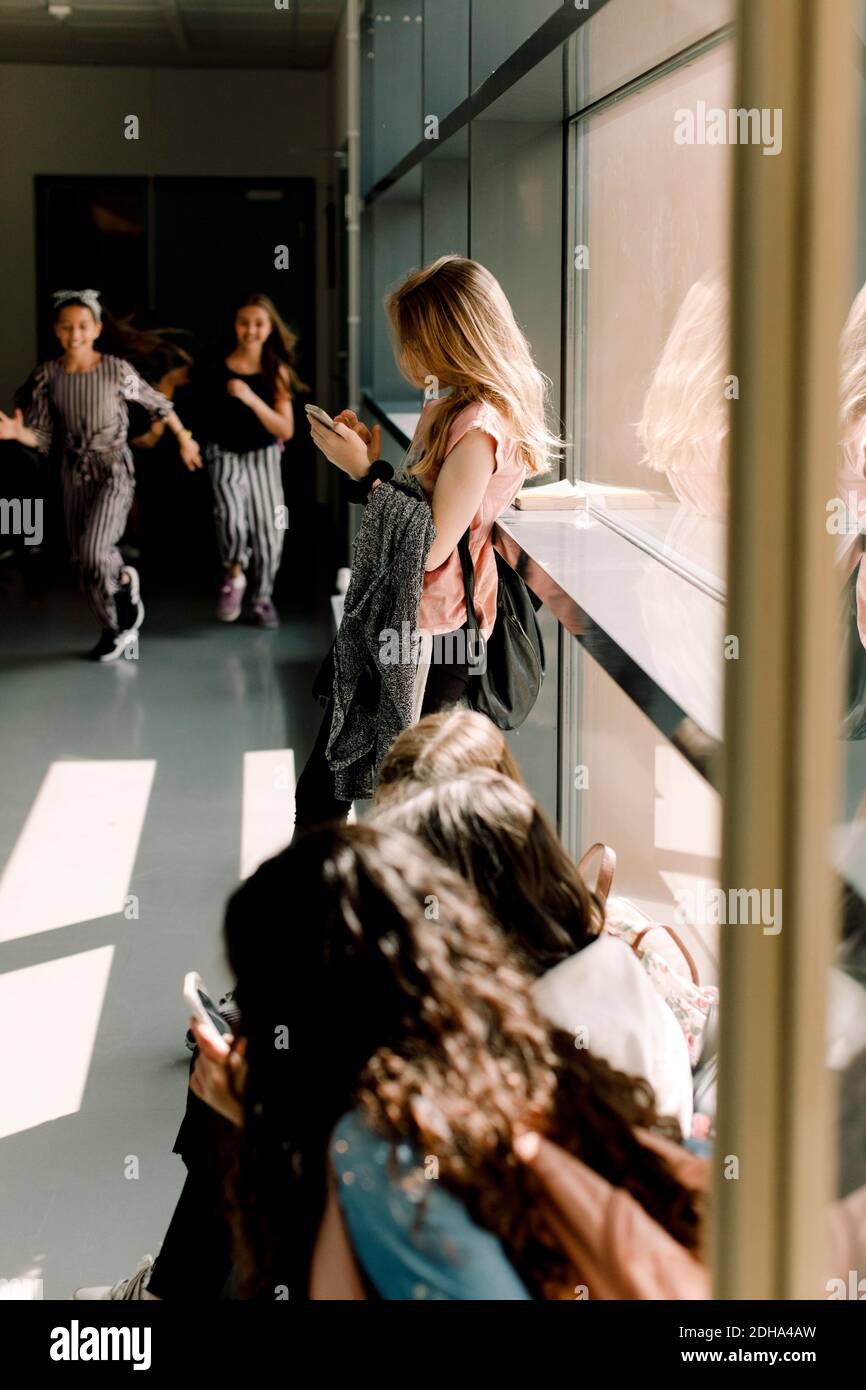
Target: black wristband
359 490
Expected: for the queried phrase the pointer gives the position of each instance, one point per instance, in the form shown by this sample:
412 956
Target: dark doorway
215 239
91 233
177 252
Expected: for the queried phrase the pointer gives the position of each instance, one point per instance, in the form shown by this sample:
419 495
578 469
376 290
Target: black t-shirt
223 419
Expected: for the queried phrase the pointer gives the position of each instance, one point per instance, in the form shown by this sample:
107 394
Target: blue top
412 1237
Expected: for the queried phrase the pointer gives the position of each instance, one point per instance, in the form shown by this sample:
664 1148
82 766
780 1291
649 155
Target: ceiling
181 33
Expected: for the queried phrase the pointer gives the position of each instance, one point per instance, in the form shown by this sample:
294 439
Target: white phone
322 416
204 1011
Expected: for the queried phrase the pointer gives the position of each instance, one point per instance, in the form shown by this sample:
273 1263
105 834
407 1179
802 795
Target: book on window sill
566 496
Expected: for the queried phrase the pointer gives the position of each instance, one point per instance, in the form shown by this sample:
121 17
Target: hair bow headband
88 297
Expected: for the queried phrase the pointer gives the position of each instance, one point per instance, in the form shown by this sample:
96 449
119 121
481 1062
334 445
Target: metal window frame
793 254
550 35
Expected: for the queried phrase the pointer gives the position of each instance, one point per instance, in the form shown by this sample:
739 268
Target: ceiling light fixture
60 12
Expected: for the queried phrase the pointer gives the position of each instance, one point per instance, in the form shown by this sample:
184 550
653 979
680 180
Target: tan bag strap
334 1273
606 868
687 956
603 885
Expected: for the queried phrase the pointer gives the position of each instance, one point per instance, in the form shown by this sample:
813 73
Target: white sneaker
127 600
124 1290
111 645
231 597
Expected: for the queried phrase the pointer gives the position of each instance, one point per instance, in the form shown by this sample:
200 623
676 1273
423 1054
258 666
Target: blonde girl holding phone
482 433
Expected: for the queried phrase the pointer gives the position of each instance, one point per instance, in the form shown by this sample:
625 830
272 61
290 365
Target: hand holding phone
204 1011
348 448
317 413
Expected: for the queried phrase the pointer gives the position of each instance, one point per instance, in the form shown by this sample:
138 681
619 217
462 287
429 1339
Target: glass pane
628 37
393 48
668 838
446 55
393 241
516 215
847 998
651 269
446 198
499 27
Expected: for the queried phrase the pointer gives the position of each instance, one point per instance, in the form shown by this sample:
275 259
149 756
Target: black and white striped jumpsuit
244 463
97 470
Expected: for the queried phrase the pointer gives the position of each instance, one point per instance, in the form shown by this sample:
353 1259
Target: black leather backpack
511 661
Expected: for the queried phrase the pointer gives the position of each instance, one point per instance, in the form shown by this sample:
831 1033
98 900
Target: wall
68 120
339 62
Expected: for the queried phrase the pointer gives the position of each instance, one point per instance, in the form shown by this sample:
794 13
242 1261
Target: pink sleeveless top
443 605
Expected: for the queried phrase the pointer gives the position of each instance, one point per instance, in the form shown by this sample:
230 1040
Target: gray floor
200 696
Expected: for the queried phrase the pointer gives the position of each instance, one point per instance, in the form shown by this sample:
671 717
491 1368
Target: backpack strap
684 951
606 869
469 585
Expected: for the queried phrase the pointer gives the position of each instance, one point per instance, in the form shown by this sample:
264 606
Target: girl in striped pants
86 395
246 401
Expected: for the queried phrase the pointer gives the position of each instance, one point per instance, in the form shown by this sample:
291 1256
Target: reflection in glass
685 421
628 37
846 1042
847 521
652 221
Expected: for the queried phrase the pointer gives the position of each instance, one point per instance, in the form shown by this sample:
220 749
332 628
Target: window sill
656 633
399 418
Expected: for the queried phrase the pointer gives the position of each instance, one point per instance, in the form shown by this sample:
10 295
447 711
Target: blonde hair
852 383
452 322
441 747
685 416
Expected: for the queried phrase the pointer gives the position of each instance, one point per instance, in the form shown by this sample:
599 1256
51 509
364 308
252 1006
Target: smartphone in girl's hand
316 413
205 1011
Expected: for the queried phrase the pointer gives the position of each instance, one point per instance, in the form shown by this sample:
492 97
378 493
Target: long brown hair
426 1021
278 353
452 322
495 835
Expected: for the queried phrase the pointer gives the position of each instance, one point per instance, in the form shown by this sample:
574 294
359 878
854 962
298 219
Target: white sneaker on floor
231 597
127 601
111 646
124 1290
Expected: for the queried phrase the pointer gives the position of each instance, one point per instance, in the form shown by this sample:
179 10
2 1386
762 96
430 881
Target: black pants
447 679
195 1261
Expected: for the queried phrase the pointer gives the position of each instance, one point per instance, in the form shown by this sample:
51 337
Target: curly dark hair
403 997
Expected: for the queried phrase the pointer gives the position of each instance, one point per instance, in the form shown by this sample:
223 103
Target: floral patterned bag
689 1000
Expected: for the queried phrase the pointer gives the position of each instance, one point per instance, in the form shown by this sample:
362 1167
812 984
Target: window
652 388
648 266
